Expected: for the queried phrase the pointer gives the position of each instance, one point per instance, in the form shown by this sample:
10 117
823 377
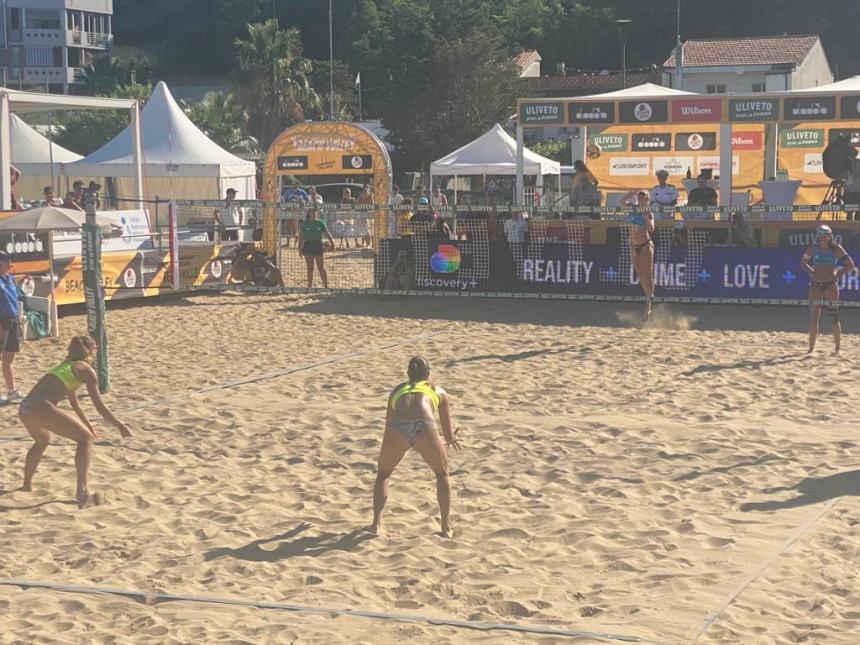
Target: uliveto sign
697 110
753 110
542 113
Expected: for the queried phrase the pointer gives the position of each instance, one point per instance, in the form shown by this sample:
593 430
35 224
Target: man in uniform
663 194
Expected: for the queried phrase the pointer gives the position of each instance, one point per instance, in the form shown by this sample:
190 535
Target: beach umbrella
48 218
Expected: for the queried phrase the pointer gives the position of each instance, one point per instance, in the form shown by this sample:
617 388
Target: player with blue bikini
642 249
825 261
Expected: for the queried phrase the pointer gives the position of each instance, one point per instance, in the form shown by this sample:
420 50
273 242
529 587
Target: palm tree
102 76
275 84
224 120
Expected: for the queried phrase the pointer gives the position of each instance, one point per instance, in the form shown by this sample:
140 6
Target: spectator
404 218
78 188
295 195
515 229
93 189
396 197
362 224
663 194
366 196
440 227
50 200
10 326
419 194
15 175
702 195
230 218
71 202
740 231
439 198
346 197
585 191
314 196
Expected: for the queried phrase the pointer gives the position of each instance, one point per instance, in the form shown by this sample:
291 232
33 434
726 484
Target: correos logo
446 259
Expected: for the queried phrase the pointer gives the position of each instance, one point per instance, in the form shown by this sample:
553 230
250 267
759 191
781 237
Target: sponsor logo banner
747 140
673 165
819 108
812 163
602 112
548 113
609 142
801 138
651 142
293 162
853 135
697 110
696 141
762 109
713 164
629 166
356 162
850 107
643 111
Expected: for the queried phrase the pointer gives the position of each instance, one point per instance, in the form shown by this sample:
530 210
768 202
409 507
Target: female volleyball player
825 261
310 245
40 414
410 422
642 249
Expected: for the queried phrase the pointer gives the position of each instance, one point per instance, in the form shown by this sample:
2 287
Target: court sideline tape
737 591
152 597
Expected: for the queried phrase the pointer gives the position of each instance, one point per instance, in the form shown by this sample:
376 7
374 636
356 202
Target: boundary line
737 591
153 597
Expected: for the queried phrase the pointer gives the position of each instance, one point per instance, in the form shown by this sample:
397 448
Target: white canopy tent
180 162
493 153
17 101
39 159
846 85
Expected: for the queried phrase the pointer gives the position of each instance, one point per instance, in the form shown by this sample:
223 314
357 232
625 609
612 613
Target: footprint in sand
717 542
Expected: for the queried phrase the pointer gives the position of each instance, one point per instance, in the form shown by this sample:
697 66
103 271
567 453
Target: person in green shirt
311 246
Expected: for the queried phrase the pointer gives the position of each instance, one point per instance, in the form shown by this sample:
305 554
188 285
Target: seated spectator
585 191
663 194
440 227
50 199
346 197
314 196
702 195
71 202
515 229
295 195
740 231
404 218
93 189
78 188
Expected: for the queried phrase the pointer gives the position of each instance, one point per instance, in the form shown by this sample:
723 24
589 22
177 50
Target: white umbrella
48 218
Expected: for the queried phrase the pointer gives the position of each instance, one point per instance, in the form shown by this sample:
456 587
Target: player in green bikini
410 422
41 416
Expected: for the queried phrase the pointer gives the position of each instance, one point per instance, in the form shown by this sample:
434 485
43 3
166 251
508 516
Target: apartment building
46 43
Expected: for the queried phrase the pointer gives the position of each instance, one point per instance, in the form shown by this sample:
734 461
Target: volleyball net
700 254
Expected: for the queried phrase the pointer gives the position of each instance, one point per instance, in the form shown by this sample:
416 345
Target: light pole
623 26
330 66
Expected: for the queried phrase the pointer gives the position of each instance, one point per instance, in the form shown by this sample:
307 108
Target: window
16 57
43 19
14 18
715 89
39 56
758 87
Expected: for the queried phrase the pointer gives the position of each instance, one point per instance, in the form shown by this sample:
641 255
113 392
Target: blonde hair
80 348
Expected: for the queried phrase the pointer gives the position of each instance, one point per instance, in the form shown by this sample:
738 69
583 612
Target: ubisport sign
755 108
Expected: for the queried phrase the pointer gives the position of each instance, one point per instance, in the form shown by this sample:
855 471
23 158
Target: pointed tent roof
32 153
646 90
493 153
847 85
172 146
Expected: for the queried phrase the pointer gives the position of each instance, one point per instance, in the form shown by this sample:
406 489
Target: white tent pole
519 197
455 191
136 152
725 165
51 147
5 154
52 305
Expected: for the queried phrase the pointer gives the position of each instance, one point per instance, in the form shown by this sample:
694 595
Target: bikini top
637 219
67 377
824 256
419 387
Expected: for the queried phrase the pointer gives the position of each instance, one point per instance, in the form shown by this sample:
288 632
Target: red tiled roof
525 56
745 51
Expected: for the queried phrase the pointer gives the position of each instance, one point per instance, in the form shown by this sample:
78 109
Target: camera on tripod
839 162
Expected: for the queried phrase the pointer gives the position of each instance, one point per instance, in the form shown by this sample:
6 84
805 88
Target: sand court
613 480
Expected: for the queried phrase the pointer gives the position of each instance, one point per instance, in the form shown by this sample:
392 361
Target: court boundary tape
746 582
153 597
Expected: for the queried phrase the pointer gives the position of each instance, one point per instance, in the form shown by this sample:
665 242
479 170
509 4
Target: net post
91 241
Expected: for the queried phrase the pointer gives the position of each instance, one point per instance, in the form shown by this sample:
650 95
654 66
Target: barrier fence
542 252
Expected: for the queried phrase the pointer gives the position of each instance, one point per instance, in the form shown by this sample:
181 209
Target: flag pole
330 65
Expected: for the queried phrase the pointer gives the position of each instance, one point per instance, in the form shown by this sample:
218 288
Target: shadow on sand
312 546
748 365
812 490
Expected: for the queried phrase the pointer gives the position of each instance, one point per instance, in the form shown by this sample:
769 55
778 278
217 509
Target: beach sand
613 479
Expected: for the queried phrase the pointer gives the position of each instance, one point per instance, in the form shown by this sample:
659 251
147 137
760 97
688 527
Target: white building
46 43
744 65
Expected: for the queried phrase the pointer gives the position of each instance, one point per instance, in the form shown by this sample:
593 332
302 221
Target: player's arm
847 262
76 406
90 379
804 261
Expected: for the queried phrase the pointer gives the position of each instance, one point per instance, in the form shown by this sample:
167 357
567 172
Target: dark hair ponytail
80 348
418 370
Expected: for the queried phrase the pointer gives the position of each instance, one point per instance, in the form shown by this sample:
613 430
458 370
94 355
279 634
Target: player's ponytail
80 348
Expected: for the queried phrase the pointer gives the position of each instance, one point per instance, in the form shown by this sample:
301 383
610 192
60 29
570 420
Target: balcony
54 75
88 39
42 37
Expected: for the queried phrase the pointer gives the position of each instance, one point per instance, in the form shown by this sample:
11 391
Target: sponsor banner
850 107
852 134
293 162
675 166
759 109
599 112
697 110
801 138
609 142
713 164
696 141
703 272
747 140
629 166
812 163
643 112
131 232
818 108
357 162
543 113
661 141
800 238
